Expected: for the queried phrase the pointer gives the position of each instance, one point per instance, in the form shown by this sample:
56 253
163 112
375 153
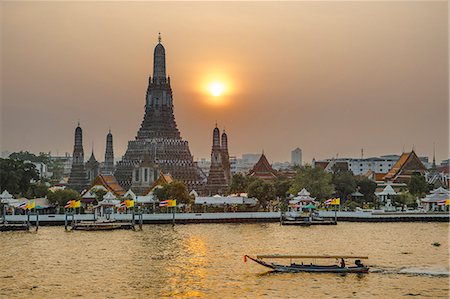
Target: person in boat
342 263
358 263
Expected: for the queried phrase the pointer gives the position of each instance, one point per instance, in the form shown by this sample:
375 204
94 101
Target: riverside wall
238 217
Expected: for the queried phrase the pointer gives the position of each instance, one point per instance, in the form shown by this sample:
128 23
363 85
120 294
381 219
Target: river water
206 260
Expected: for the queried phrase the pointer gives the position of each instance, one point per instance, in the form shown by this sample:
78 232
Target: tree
36 190
344 183
263 191
239 183
405 198
175 190
99 193
282 186
16 175
61 197
315 180
367 187
418 185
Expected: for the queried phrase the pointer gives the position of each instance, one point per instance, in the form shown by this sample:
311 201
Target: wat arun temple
157 149
158 143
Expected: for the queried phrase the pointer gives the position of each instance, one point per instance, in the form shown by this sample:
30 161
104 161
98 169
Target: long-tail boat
304 267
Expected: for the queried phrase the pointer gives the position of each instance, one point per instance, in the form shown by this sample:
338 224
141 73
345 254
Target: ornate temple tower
226 158
159 135
77 179
108 167
92 168
217 182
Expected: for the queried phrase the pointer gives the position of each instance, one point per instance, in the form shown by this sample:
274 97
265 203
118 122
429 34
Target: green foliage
282 186
315 180
344 184
99 193
175 190
405 198
351 205
367 187
61 197
240 183
15 175
37 190
418 186
261 190
27 156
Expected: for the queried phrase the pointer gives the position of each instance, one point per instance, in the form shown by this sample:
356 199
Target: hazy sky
328 77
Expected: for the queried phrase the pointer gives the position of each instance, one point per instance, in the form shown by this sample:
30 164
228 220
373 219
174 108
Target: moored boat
359 267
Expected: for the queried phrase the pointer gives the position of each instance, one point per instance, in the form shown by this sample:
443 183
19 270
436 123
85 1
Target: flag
129 203
333 201
172 203
164 203
32 205
76 204
442 202
447 202
69 204
23 205
336 201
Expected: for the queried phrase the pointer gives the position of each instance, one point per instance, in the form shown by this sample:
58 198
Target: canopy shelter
218 200
387 194
301 201
435 201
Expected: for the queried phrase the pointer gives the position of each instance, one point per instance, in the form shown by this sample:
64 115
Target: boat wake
427 271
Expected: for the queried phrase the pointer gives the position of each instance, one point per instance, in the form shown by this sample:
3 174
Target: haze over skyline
326 77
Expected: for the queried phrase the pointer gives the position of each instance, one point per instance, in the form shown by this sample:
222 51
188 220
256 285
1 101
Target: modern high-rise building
158 136
296 157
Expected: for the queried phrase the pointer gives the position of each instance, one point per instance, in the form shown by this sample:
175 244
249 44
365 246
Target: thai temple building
219 175
407 165
158 136
263 169
78 180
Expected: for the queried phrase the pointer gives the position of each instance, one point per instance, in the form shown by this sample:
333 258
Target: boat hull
309 268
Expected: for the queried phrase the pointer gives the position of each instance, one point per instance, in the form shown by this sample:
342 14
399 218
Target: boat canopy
279 256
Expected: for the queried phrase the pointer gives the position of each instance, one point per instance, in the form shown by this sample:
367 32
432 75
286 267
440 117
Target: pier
240 217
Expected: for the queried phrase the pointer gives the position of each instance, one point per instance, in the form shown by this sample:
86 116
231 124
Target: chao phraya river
206 260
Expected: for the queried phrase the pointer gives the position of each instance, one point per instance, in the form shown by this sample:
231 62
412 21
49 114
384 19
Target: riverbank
241 217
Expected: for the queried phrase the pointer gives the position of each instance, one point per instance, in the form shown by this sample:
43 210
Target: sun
216 88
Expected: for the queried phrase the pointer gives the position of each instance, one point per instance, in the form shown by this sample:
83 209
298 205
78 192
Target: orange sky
328 77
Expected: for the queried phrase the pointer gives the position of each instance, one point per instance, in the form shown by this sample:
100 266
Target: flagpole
173 214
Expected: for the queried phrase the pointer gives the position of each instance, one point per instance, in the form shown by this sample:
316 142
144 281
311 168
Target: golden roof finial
159 37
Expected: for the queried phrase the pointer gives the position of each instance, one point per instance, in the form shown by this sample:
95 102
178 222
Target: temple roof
263 169
163 179
407 161
388 190
109 182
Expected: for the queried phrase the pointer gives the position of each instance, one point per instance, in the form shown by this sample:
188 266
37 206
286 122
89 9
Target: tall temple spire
159 62
434 155
77 178
217 182
109 155
159 135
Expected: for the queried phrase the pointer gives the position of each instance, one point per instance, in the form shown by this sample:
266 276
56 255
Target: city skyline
96 71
